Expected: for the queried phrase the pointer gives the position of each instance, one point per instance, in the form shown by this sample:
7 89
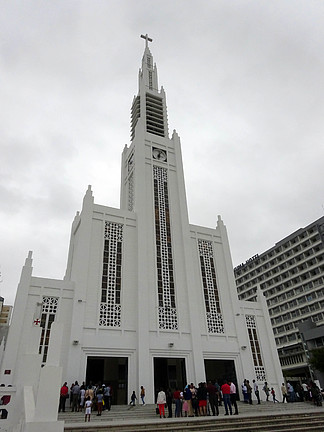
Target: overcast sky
245 91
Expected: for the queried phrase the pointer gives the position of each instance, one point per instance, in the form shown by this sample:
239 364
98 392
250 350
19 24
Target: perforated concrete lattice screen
110 306
164 260
49 309
255 348
215 323
131 192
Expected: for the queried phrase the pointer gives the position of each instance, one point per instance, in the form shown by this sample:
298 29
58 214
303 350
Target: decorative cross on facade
147 39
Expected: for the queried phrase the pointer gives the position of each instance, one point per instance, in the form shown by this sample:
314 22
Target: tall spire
150 102
148 73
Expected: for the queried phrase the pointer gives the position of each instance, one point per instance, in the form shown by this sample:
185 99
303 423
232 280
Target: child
274 395
88 405
133 398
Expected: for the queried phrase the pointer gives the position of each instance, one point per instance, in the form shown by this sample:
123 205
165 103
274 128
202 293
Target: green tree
317 359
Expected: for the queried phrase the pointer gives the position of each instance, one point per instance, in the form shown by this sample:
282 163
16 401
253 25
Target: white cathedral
147 298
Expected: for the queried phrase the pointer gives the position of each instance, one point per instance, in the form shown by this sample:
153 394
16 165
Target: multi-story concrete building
5 313
312 335
291 275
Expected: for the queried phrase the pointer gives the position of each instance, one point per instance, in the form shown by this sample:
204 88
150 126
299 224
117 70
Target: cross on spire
147 39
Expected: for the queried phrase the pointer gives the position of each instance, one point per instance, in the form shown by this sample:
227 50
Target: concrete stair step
294 421
294 417
119 412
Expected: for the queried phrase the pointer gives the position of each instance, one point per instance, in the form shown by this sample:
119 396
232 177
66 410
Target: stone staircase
297 417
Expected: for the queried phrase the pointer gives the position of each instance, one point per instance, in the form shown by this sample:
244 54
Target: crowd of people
302 392
208 397
86 398
189 402
198 401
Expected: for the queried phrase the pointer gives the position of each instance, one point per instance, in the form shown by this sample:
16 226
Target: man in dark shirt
256 391
213 398
187 396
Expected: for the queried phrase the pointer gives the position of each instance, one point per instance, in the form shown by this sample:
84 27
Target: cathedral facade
148 298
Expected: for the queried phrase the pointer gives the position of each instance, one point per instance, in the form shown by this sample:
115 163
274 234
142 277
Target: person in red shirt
177 399
226 390
64 393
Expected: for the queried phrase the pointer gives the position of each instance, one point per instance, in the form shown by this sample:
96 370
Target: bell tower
153 188
149 104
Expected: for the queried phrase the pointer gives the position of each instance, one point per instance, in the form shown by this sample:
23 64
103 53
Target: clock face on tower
159 154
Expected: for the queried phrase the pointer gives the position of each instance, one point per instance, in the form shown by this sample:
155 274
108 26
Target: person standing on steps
187 396
133 398
142 394
194 400
256 391
109 394
169 399
88 404
161 401
291 393
244 391
233 396
249 392
64 394
306 391
226 390
106 394
273 393
100 398
213 398
177 400
266 390
202 398
75 397
82 397
89 393
284 393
